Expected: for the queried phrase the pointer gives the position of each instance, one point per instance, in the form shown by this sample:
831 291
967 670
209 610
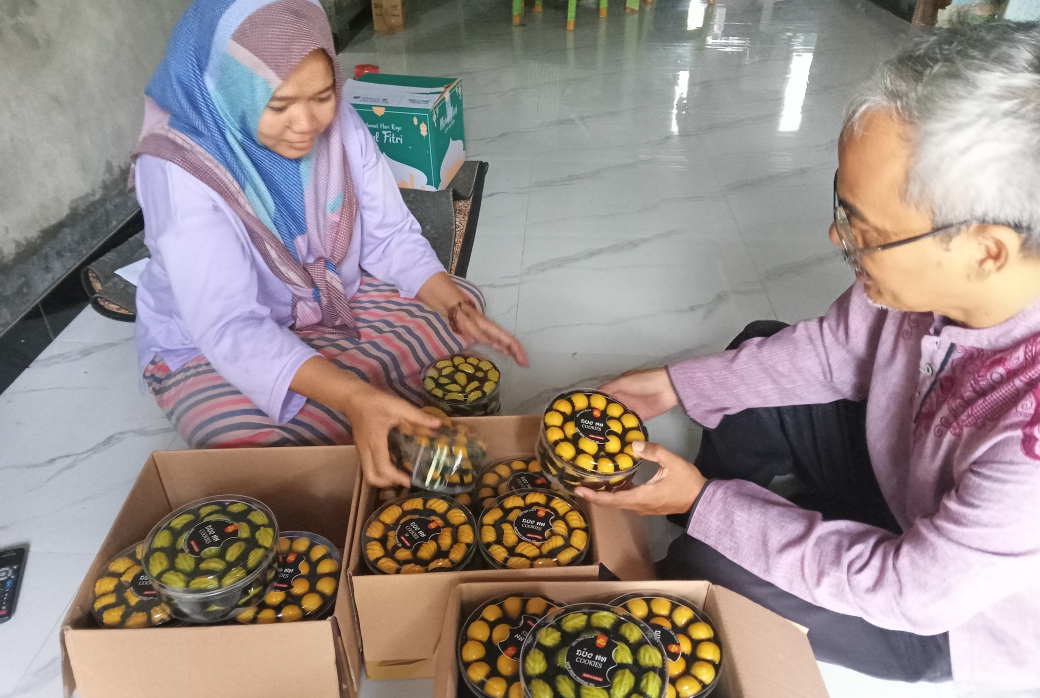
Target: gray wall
72 74
72 77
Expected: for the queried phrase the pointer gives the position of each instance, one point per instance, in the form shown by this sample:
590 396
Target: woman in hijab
290 298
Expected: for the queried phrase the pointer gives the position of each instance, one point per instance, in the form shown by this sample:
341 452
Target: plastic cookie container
533 528
586 440
124 596
413 535
211 557
490 641
510 475
691 642
304 584
594 651
463 385
443 460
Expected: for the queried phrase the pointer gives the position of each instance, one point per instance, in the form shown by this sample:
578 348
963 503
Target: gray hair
971 95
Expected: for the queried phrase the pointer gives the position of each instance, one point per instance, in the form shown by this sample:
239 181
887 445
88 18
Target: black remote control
12 569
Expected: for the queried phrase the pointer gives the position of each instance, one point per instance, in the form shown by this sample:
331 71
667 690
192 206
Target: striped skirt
398 339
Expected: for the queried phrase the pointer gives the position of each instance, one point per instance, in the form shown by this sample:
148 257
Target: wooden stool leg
538 7
518 11
602 8
572 9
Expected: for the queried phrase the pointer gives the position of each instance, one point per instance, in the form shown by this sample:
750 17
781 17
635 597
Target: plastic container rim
475 615
424 495
269 556
551 493
593 607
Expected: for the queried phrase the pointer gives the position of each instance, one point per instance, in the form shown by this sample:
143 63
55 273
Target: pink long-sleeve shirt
953 430
206 289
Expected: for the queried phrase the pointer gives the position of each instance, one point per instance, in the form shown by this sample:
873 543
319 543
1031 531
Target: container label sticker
527 481
142 586
672 648
590 660
416 532
288 569
592 424
510 647
209 534
534 524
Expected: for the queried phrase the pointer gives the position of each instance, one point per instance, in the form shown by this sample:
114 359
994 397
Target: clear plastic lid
210 545
124 596
463 385
592 646
422 533
533 528
443 460
304 584
691 643
489 643
586 440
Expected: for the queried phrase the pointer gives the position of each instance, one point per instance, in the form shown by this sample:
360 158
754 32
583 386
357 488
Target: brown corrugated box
400 616
764 655
309 489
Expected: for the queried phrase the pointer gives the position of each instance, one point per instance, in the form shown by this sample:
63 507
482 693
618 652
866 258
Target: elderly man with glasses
909 415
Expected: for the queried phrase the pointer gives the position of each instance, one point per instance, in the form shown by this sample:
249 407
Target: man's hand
648 392
673 490
477 327
372 414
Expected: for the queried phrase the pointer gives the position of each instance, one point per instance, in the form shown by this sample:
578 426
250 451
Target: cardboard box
764 655
417 124
400 616
310 489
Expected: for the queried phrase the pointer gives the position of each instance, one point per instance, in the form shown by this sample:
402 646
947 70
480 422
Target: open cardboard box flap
765 656
310 489
400 616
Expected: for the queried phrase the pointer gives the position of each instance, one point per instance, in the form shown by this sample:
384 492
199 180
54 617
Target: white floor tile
51 580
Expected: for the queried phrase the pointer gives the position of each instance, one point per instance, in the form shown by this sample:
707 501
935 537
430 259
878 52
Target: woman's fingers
484 331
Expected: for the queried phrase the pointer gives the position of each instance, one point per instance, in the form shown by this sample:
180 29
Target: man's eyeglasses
853 254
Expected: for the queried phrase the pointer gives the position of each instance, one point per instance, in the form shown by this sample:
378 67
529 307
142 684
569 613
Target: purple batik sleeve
816 361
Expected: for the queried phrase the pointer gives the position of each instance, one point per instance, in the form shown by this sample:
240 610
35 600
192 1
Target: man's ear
996 246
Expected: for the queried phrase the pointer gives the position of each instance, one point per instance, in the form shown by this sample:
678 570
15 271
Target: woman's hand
474 325
648 392
441 294
372 414
673 490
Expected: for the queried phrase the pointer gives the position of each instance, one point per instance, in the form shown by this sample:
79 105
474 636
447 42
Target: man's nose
835 238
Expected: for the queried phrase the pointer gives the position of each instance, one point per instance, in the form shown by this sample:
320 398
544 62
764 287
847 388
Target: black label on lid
510 647
526 481
209 534
592 424
288 569
534 524
672 648
142 586
590 660
416 532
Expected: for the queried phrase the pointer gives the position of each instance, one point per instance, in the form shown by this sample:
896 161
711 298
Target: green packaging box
417 124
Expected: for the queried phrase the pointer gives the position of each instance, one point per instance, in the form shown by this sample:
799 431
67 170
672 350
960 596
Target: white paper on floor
132 272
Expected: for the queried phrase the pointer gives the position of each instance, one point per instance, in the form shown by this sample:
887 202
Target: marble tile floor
657 181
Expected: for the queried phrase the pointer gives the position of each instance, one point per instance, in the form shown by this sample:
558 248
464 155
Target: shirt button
927 369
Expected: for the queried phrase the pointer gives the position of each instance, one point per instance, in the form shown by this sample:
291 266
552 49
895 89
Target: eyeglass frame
853 254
